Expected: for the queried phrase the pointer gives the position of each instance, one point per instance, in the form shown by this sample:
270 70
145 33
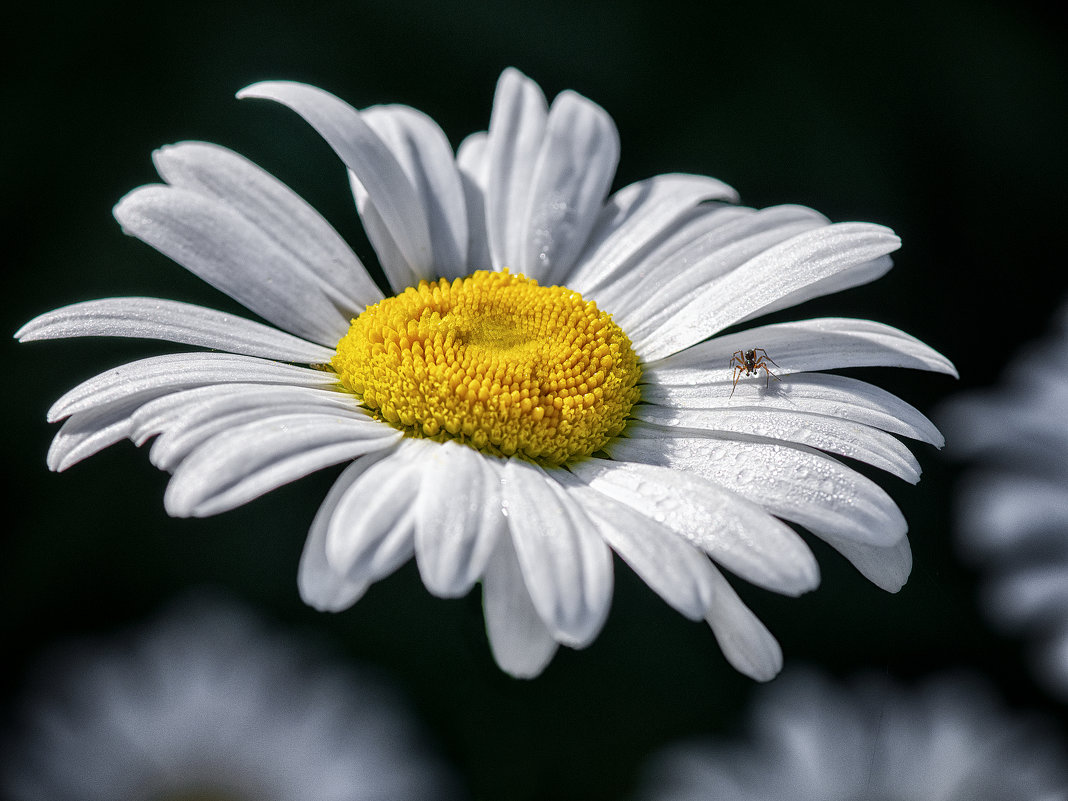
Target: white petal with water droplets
242 463
818 393
824 343
169 320
841 437
888 568
212 240
89 432
277 211
567 568
458 518
365 154
737 533
519 639
790 481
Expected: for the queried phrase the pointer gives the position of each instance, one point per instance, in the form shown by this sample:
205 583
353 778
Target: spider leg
737 373
765 356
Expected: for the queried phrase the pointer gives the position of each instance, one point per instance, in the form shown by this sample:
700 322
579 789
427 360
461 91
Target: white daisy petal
458 519
366 155
277 211
244 462
676 570
746 642
888 567
817 393
711 247
89 432
369 534
805 259
792 482
159 375
321 585
184 420
521 643
472 158
516 131
735 532
399 271
169 320
825 343
426 157
572 176
218 244
842 437
567 568
635 216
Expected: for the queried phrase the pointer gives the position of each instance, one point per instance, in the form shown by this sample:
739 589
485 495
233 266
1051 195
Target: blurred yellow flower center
495 361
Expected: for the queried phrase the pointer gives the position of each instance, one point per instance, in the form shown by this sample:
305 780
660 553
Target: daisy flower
544 385
208 702
811 739
1012 509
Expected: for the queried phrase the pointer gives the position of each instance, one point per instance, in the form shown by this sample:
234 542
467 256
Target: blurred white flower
811 739
208 703
544 387
1012 506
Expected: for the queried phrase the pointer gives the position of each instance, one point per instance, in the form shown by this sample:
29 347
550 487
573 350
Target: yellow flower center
495 361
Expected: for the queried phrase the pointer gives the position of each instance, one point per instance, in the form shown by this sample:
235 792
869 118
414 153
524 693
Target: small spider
749 362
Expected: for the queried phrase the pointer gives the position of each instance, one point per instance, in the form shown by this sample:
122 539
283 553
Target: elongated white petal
169 320
458 519
745 641
790 481
735 532
89 432
212 240
245 462
566 566
695 234
519 639
472 158
158 375
321 585
824 343
399 271
363 152
760 282
188 419
634 217
818 393
426 157
369 534
572 176
277 211
186 407
731 239
842 437
676 570
888 568
516 130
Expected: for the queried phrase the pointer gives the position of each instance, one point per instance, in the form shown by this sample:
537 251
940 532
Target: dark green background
945 123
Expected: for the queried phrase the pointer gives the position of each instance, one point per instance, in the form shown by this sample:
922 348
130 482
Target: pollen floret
495 361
